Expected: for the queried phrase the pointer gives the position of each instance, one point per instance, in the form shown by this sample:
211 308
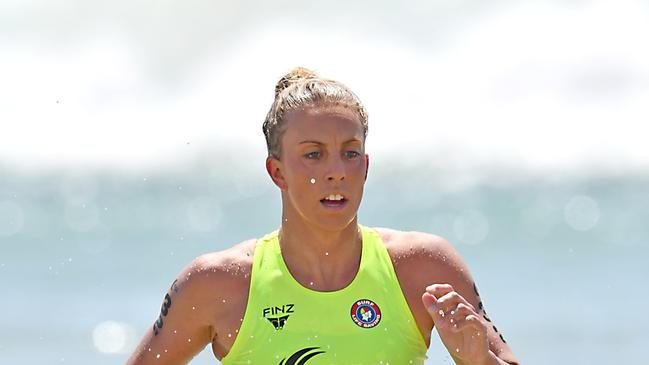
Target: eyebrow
321 143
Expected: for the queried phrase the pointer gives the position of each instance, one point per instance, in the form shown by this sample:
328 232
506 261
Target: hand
460 327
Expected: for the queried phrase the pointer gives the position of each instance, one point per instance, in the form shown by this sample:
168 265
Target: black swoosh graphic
294 358
307 357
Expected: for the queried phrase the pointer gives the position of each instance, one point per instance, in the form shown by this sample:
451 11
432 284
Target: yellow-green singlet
367 322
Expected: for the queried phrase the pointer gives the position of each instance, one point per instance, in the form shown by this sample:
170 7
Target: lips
334 201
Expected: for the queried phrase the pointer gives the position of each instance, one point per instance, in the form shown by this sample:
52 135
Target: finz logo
301 356
279 315
366 313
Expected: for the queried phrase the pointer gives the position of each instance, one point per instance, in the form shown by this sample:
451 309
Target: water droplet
457 350
223 300
165 350
229 335
174 332
312 181
193 308
452 312
157 356
189 340
310 283
326 253
441 313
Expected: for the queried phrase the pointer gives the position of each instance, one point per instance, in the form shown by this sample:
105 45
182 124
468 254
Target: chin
335 223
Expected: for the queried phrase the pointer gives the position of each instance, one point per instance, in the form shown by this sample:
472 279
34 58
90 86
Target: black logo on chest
278 315
302 356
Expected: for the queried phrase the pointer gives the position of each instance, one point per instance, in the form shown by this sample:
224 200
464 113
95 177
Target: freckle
312 181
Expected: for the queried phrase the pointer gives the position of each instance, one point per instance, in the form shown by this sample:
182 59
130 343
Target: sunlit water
85 260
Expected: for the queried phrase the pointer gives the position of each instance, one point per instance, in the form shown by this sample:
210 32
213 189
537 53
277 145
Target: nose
336 170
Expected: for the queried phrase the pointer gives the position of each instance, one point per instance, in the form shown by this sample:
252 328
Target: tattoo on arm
484 312
157 326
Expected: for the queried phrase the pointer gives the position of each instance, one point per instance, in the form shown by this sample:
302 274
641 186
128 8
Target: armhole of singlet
402 297
240 340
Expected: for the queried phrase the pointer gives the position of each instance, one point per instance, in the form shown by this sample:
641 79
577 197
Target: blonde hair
302 88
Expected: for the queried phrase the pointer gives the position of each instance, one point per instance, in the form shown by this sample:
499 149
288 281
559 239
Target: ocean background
85 258
130 143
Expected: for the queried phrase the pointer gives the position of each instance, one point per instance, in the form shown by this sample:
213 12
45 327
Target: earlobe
274 169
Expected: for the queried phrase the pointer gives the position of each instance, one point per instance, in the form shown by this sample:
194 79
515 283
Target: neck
318 258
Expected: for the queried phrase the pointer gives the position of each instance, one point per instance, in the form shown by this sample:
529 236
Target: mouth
334 201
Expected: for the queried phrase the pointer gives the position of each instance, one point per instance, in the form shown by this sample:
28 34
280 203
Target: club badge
365 313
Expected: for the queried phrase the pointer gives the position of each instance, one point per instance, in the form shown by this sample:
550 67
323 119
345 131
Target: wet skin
322 155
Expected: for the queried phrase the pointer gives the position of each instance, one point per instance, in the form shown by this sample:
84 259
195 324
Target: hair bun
294 76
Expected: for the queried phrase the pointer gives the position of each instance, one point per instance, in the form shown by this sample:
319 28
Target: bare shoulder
232 264
414 247
207 298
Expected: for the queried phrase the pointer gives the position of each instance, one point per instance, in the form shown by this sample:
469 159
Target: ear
274 169
367 165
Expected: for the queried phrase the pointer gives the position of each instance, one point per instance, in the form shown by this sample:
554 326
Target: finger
458 313
471 322
430 302
450 302
439 290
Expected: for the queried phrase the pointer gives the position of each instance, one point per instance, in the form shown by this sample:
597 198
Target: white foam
509 89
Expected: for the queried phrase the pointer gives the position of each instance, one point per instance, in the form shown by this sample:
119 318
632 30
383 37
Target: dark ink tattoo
174 287
484 312
164 310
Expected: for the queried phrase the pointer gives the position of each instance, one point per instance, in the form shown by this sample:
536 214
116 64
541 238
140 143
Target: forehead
319 123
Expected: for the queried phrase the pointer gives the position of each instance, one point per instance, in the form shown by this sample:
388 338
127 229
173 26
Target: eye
352 154
312 155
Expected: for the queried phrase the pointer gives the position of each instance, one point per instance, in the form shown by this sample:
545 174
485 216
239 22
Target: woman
323 289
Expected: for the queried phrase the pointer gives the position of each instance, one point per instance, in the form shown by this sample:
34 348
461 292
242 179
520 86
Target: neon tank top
367 322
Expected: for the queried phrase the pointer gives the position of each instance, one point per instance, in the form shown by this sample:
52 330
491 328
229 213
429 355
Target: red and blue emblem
366 313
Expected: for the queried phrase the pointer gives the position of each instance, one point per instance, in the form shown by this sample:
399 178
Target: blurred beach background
130 143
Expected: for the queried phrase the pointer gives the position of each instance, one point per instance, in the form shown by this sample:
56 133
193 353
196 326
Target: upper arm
183 326
448 267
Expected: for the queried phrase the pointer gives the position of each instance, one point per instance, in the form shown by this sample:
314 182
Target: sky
539 85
